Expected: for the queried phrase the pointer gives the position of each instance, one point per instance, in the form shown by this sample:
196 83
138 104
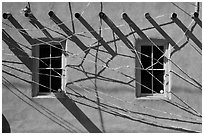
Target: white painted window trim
35 76
167 68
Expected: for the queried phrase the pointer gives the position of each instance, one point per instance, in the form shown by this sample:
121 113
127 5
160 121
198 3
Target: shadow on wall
121 89
178 89
5 125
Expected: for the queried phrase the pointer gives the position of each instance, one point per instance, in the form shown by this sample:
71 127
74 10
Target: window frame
35 67
167 67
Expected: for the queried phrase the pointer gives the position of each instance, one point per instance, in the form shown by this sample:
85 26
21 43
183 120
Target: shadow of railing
71 106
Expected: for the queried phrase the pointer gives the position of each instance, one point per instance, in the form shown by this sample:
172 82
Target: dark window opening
158 81
152 76
146 56
158 57
50 70
44 80
146 81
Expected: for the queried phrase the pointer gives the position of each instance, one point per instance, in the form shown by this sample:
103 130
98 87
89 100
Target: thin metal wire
142 118
162 126
58 120
145 122
195 49
130 102
71 15
96 70
181 9
157 79
114 106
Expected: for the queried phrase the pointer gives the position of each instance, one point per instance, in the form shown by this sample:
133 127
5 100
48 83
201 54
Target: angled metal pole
117 31
95 34
197 20
68 32
186 30
18 27
161 31
35 23
135 27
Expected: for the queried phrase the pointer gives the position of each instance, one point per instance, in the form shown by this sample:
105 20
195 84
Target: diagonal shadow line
11 62
3 71
18 27
98 77
138 120
16 69
30 102
74 109
37 24
6 128
17 50
182 108
71 106
179 48
186 30
134 112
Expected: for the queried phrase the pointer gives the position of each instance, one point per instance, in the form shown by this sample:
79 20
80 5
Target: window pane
56 79
56 62
56 51
44 63
146 80
44 80
158 83
44 56
146 56
56 57
157 54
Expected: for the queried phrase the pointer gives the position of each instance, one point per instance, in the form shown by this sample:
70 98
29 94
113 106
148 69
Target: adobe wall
18 113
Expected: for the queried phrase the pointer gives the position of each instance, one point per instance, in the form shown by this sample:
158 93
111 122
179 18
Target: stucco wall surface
23 118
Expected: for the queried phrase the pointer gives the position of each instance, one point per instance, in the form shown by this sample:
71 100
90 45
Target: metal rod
35 22
95 34
197 20
18 27
117 31
161 31
70 10
135 27
68 32
186 30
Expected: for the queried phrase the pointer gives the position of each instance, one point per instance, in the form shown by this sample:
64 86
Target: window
153 68
48 73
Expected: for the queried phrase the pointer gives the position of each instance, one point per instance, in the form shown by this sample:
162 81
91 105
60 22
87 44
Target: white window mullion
50 68
152 62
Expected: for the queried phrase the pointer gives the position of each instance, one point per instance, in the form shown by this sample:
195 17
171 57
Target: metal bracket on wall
196 19
135 27
68 32
37 24
117 31
18 27
186 30
95 34
161 31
